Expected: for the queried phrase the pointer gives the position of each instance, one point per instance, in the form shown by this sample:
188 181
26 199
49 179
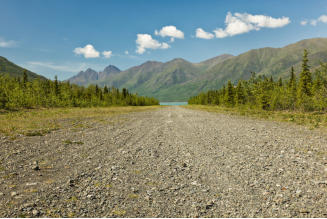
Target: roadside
38 122
312 120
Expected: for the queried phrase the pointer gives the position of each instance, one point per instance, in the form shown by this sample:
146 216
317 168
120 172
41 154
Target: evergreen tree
229 96
240 94
280 82
25 79
305 83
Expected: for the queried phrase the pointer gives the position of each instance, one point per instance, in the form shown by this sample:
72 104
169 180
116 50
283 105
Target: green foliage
260 92
18 93
7 67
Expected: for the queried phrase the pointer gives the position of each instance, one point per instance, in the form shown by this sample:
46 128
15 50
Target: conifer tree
305 83
240 94
280 82
229 96
25 79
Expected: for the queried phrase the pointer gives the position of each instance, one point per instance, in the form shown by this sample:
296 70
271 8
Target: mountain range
178 79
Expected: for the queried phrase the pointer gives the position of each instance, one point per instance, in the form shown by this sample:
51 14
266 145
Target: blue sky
62 37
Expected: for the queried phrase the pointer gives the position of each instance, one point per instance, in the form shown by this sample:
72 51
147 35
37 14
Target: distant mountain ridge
91 76
178 79
7 67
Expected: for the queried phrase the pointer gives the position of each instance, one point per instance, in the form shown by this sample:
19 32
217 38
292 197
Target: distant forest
306 93
19 92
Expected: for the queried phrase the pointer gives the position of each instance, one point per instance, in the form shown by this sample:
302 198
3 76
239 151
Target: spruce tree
229 96
305 83
240 94
280 82
25 79
304 92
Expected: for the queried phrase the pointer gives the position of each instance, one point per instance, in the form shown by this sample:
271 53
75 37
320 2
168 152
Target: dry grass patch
38 122
310 119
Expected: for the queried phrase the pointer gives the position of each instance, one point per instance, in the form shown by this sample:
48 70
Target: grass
38 122
310 119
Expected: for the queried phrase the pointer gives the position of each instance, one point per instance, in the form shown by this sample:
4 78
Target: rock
35 212
31 184
210 204
13 194
35 166
71 182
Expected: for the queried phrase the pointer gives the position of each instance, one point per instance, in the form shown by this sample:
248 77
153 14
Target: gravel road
170 162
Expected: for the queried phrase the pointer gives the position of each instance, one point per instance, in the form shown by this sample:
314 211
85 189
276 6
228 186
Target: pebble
35 212
35 166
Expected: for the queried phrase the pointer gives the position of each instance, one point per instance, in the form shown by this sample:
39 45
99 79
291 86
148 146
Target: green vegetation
309 119
16 93
309 93
38 122
7 67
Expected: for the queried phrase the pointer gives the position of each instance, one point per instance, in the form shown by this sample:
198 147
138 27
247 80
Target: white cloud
126 52
7 44
107 54
88 51
145 41
170 31
200 33
243 23
314 22
323 18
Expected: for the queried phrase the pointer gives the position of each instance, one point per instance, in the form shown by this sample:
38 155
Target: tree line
306 93
19 92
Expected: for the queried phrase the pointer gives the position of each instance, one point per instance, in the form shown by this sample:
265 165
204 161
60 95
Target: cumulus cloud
145 41
200 33
170 31
88 51
323 18
314 22
7 43
242 23
107 54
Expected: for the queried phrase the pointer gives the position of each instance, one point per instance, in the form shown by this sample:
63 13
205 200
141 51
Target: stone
35 166
35 212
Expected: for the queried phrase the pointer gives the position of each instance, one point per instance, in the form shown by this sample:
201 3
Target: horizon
64 38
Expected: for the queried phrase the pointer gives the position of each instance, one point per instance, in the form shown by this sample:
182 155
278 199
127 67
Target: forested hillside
308 92
7 67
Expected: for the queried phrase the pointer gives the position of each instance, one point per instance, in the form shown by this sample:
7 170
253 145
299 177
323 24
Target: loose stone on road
170 162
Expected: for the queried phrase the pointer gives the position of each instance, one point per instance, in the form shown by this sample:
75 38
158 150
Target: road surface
170 162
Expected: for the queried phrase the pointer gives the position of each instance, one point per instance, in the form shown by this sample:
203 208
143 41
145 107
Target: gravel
171 162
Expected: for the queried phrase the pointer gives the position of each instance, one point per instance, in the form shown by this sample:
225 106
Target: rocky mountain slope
91 76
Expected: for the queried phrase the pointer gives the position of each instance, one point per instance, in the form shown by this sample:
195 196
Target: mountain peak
109 70
176 60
